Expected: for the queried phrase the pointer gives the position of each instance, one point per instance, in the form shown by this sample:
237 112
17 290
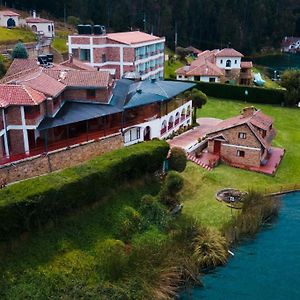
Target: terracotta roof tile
77 64
21 65
37 20
9 13
229 52
19 95
132 37
246 64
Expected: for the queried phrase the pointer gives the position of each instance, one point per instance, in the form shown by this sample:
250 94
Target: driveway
190 138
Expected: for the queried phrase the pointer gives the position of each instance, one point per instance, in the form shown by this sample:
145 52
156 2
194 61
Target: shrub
210 248
128 223
291 81
19 51
170 189
27 204
74 21
177 160
111 258
153 212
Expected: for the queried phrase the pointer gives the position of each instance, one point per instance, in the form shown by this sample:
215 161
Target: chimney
34 14
248 111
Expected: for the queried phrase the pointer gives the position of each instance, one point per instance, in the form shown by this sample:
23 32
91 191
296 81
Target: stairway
198 162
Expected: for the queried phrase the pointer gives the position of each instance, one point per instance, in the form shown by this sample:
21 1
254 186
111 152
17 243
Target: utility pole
176 37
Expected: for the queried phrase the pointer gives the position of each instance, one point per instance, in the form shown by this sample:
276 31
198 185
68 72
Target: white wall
156 126
3 20
221 62
206 78
43 27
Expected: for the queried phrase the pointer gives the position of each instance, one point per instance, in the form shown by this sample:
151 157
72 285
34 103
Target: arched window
183 114
228 63
177 118
11 23
188 113
49 28
163 127
171 122
34 28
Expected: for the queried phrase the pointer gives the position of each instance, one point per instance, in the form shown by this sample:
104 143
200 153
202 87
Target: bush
74 21
210 248
27 204
170 189
177 160
153 212
291 81
111 258
19 51
128 223
237 92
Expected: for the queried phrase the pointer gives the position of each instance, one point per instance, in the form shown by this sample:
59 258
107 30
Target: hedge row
237 92
26 205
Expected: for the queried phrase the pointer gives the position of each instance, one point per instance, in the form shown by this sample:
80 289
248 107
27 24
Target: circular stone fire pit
230 195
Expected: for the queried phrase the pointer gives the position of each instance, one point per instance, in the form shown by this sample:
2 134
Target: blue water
262 269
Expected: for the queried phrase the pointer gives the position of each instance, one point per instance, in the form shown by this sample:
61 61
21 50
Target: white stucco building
9 19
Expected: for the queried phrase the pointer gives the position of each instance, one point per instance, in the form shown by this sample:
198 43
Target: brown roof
9 13
20 65
77 78
132 37
229 52
77 64
193 49
37 20
19 95
246 64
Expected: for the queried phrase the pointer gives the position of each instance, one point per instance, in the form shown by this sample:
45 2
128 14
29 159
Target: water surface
267 268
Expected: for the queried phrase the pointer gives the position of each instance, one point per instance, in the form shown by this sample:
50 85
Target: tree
177 159
2 66
199 99
291 81
19 51
74 21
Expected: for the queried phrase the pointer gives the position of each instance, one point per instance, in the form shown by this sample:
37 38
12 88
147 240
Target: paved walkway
190 138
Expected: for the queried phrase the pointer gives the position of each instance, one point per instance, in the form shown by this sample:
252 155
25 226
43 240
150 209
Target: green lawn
60 41
201 185
8 36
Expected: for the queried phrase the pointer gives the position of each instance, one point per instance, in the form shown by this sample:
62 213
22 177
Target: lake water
278 63
266 268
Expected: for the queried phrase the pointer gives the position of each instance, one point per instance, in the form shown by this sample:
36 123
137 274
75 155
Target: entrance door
11 23
147 133
217 147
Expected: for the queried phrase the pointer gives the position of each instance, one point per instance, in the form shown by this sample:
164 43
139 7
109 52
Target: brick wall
59 159
13 116
81 94
129 54
80 40
16 142
1 147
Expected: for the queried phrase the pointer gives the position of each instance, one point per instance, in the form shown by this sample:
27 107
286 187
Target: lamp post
246 94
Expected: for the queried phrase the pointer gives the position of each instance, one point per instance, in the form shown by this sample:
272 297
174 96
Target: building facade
121 53
9 19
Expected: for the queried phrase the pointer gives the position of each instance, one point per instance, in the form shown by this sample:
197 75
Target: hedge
237 92
27 204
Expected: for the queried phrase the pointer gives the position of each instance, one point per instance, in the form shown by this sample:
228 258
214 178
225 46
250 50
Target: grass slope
50 261
9 36
201 185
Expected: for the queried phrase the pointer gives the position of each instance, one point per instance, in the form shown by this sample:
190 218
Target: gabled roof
74 63
228 52
132 37
9 13
80 78
37 20
20 65
19 95
246 64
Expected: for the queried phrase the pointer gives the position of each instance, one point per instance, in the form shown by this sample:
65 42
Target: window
132 135
212 79
103 57
235 61
49 28
91 94
228 63
221 61
85 55
52 28
240 153
242 135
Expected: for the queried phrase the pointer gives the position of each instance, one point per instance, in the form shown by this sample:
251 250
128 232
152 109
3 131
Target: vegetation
27 204
11 36
59 43
269 84
200 185
291 81
177 159
19 51
260 23
199 99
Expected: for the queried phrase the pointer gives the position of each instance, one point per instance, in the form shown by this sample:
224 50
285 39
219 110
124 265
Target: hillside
10 36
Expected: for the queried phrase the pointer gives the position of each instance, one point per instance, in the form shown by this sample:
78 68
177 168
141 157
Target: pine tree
19 51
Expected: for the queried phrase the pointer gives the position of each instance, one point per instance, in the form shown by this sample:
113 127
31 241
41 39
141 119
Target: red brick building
48 108
121 53
245 141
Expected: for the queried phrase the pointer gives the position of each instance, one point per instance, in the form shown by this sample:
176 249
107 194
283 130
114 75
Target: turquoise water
262 269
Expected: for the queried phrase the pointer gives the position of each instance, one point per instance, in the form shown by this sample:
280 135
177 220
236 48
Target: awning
73 112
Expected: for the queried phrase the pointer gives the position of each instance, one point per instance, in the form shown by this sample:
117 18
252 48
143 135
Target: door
147 133
217 147
11 23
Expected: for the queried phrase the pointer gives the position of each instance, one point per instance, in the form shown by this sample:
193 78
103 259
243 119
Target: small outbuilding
9 19
41 26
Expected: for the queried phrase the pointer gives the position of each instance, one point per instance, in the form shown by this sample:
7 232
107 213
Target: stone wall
59 159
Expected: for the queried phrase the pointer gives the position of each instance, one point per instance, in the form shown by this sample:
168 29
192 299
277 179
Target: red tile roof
9 13
228 52
77 78
37 20
132 37
19 95
21 65
246 64
77 64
